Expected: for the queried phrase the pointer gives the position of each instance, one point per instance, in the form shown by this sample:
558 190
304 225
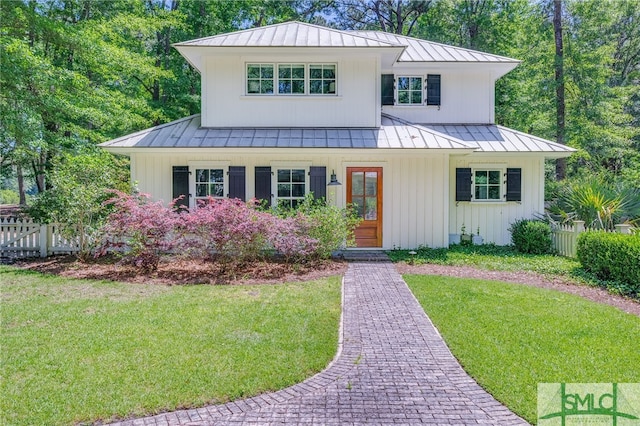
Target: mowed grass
491 257
511 337
79 351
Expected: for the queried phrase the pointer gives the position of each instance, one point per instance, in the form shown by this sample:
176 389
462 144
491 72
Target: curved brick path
393 368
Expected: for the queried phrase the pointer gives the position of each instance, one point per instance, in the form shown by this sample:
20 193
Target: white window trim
193 165
500 167
276 165
423 89
307 84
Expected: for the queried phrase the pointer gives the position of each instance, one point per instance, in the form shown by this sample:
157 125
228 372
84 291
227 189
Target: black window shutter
237 182
263 184
514 185
181 185
387 89
433 89
463 184
318 182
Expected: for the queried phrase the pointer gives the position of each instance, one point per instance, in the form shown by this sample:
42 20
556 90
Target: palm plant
598 205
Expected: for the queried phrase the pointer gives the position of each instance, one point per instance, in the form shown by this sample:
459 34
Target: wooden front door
364 190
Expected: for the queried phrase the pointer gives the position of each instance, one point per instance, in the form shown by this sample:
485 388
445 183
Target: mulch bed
563 284
177 271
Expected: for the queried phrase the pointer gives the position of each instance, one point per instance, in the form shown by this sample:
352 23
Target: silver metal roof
186 133
493 138
289 34
418 50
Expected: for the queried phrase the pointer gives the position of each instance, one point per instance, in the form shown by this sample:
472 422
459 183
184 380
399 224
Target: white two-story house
406 127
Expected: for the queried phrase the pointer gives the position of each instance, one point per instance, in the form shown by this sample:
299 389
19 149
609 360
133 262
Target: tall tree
561 164
394 16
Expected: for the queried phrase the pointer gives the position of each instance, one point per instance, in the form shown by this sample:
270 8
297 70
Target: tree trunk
23 197
561 164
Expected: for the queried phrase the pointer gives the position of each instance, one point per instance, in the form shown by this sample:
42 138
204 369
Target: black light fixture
334 179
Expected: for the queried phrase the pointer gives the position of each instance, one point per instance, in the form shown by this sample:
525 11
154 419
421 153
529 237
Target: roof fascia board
194 54
333 152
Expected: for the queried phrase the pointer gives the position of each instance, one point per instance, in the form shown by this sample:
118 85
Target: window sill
291 97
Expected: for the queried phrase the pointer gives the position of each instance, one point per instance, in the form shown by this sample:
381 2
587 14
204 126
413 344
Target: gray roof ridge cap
191 42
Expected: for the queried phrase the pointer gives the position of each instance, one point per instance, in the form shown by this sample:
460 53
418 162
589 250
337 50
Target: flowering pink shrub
230 228
138 228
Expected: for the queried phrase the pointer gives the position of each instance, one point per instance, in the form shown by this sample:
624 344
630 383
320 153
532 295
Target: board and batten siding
415 187
465 97
494 218
225 103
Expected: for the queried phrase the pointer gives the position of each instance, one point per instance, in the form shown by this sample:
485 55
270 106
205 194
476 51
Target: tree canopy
77 72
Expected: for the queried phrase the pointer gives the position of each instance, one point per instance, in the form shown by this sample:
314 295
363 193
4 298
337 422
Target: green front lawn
490 256
79 351
511 337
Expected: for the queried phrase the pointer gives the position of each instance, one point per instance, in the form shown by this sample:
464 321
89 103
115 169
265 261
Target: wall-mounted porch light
334 179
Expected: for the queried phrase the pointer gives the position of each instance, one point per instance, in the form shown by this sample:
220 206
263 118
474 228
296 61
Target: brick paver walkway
393 368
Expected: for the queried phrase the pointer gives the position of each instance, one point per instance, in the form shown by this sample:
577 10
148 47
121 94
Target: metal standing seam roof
289 34
494 138
186 133
418 50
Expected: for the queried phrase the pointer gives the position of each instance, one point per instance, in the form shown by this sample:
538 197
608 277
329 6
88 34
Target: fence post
623 228
578 228
43 241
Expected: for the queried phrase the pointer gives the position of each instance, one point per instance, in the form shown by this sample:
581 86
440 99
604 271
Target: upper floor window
291 79
260 79
410 90
322 79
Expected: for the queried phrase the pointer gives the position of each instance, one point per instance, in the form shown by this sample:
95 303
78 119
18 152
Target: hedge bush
612 257
531 236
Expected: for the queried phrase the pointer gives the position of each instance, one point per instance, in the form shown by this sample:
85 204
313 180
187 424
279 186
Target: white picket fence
565 237
24 238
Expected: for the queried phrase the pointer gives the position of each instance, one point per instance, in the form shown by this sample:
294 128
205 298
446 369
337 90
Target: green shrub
531 236
612 257
8 196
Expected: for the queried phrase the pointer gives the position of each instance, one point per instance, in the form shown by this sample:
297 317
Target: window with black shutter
387 89
318 182
237 182
263 184
433 89
514 185
463 184
181 185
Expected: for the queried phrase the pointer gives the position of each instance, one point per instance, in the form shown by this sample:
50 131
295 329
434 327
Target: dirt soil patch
559 283
176 271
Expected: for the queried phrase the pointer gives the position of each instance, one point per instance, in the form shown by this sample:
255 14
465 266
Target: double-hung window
208 179
292 186
284 79
487 185
410 90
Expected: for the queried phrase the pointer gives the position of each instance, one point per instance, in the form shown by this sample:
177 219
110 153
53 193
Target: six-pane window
291 79
486 184
260 79
410 90
209 183
291 187
322 79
